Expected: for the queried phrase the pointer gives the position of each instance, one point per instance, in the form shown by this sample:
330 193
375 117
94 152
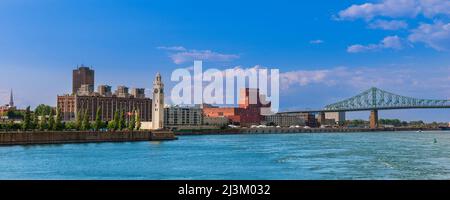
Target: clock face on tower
156 91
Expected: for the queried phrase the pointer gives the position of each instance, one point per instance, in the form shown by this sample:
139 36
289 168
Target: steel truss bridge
375 99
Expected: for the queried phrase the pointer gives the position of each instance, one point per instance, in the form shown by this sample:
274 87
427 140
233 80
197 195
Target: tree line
44 119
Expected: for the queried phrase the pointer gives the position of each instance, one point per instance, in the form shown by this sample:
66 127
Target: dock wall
58 137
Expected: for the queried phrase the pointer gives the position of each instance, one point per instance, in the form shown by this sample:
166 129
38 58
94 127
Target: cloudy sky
326 50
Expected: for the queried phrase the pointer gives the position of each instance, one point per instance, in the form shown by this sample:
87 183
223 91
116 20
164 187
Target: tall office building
82 76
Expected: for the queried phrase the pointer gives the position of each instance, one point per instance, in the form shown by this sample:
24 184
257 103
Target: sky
326 50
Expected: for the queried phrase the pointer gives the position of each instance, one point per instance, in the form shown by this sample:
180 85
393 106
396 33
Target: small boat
419 131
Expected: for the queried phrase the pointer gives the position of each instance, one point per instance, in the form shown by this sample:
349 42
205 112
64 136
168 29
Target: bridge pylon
373 119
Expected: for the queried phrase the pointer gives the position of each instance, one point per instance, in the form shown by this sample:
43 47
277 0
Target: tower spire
11 99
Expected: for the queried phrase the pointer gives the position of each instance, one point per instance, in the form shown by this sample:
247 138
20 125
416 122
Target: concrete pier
61 137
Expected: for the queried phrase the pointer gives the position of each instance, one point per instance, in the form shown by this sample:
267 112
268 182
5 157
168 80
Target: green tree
122 123
35 121
131 123
70 126
43 123
14 114
51 121
27 119
58 124
78 120
98 121
137 117
85 125
111 125
43 110
11 125
116 120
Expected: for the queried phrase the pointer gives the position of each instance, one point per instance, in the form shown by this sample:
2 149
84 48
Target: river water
329 156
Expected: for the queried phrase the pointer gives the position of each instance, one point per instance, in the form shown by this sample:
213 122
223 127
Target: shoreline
75 137
242 131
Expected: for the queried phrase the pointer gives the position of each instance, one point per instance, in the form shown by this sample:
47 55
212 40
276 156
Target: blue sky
325 50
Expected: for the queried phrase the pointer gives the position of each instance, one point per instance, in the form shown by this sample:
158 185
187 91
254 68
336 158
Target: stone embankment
60 137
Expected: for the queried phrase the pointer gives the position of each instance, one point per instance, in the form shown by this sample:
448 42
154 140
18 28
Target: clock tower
158 103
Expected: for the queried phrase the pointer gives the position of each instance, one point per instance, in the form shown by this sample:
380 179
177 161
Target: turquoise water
384 155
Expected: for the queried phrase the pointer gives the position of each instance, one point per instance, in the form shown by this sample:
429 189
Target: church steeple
11 99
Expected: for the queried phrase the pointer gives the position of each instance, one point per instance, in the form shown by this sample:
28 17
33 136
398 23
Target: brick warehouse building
248 112
70 105
85 99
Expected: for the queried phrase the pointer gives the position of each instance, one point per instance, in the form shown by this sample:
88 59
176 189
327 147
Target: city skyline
325 51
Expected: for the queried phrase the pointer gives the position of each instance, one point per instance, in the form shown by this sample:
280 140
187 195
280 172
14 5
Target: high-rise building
82 76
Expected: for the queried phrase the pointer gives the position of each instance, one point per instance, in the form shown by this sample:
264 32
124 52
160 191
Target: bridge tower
373 119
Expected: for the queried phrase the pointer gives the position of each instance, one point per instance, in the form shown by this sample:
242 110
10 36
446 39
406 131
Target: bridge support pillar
373 119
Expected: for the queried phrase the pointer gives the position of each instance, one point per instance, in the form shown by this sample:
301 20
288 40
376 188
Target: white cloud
400 79
432 8
386 8
396 9
180 55
390 42
316 41
172 48
302 77
388 25
205 55
436 36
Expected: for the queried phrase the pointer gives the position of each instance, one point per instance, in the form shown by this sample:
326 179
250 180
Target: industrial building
85 99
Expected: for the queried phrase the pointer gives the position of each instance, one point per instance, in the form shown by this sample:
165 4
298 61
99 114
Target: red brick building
249 110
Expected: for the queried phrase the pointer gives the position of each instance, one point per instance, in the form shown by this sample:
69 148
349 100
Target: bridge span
375 99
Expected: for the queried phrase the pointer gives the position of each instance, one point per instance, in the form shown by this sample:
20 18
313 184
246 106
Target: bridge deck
367 109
